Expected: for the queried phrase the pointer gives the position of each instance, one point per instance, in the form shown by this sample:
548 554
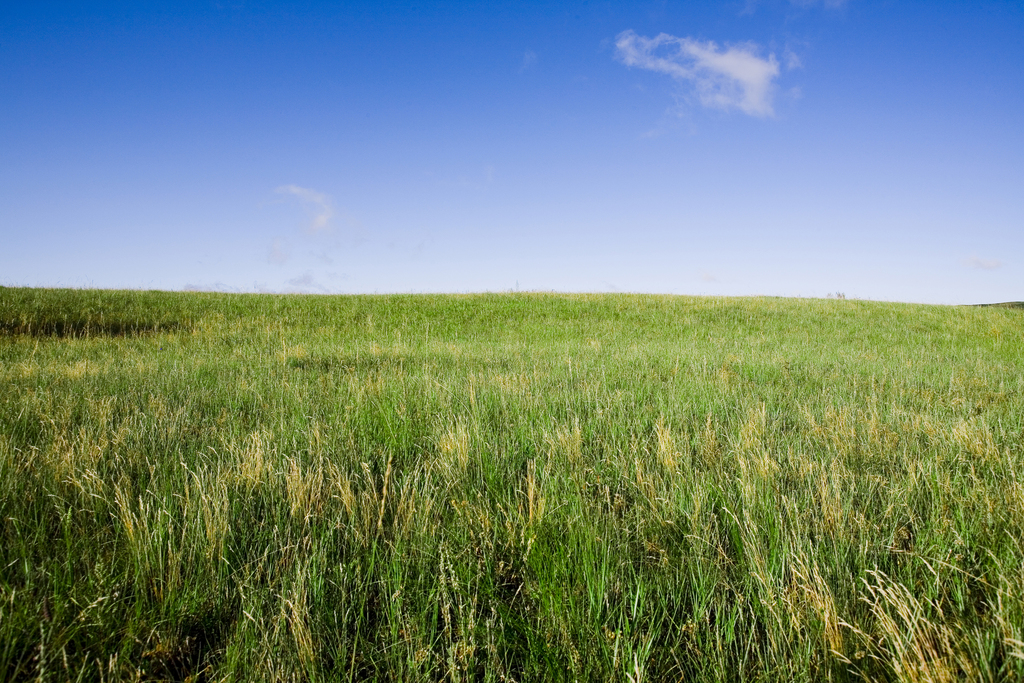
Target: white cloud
724 78
317 204
982 264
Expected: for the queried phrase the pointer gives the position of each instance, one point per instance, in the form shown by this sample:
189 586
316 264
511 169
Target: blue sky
775 147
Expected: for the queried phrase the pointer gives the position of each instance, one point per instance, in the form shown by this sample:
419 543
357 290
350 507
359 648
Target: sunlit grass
508 487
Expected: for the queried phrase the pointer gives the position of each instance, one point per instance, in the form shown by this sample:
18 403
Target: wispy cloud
982 263
830 4
751 5
306 283
734 76
278 253
477 179
529 59
317 204
213 287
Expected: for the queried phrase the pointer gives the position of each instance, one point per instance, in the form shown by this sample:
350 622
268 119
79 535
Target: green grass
508 487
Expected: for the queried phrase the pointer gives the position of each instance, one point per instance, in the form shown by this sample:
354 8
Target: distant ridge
1005 304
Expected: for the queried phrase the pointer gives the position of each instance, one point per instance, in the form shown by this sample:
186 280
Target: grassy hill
508 487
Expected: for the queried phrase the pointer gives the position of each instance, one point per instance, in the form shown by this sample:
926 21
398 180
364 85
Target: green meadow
508 487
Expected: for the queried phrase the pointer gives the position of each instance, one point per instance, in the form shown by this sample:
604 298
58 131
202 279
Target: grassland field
508 487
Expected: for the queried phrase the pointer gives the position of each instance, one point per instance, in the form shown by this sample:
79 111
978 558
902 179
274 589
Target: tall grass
508 487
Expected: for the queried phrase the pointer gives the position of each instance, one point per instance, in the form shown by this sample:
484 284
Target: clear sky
777 147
